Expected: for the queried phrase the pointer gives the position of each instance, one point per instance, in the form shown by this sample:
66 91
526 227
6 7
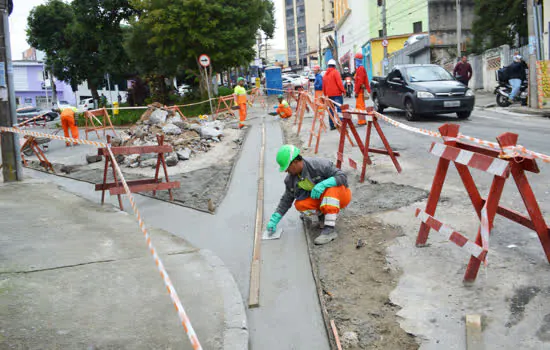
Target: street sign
385 62
204 60
385 42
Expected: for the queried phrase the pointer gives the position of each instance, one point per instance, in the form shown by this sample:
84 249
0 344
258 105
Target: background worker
283 110
240 100
361 83
333 88
317 186
318 86
68 122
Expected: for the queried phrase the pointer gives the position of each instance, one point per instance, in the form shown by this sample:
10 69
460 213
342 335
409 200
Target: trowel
268 235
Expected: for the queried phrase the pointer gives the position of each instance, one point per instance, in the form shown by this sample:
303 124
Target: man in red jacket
361 83
333 88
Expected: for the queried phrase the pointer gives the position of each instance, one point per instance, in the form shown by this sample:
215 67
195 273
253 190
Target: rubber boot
328 234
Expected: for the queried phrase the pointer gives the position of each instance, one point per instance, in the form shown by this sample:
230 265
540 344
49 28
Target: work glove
318 190
272 224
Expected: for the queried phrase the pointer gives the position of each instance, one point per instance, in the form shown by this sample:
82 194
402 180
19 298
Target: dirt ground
357 282
204 178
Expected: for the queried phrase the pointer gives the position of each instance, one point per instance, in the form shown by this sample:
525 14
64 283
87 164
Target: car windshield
427 73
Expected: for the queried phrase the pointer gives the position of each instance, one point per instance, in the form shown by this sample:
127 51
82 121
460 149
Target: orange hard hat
359 56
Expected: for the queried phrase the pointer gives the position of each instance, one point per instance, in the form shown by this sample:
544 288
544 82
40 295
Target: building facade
351 30
32 90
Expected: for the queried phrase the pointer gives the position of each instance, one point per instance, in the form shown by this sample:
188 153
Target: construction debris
188 138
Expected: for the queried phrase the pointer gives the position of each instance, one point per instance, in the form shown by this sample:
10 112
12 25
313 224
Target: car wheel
503 101
463 115
377 106
409 111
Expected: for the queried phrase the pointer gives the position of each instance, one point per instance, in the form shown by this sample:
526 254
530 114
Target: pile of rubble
187 138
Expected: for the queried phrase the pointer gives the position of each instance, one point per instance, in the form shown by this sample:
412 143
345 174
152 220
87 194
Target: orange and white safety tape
53 137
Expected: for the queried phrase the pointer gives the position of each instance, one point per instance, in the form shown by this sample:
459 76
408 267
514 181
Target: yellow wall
340 7
394 44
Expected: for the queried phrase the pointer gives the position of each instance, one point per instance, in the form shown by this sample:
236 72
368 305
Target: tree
177 32
498 22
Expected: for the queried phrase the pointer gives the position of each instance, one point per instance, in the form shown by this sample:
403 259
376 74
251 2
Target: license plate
451 103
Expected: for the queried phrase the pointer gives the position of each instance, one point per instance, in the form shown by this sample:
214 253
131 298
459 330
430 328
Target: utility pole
385 35
319 54
11 159
458 29
533 97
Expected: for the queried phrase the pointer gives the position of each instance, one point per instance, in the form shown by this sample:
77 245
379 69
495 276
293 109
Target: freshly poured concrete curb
235 334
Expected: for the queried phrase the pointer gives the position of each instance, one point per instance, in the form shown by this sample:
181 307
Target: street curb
235 334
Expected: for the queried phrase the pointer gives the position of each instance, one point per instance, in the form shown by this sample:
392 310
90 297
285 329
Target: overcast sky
21 9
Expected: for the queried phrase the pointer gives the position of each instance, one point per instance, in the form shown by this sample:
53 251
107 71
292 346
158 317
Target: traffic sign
385 42
204 60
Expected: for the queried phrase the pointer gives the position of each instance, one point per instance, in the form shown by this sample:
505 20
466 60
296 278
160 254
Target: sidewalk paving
75 275
487 100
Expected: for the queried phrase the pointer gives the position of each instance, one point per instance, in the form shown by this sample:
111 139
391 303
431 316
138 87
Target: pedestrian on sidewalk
334 89
316 187
318 86
240 100
68 122
283 110
463 71
361 84
516 75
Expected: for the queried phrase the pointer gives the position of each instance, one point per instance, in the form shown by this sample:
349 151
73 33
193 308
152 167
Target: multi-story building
351 18
303 20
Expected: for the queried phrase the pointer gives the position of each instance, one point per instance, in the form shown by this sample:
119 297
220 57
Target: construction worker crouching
316 186
283 110
240 100
68 122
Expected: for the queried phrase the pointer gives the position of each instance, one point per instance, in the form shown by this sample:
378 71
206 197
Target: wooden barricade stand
364 148
177 110
224 105
90 118
135 186
30 142
499 165
304 103
319 116
256 93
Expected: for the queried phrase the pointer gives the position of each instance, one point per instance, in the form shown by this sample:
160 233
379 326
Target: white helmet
346 69
331 62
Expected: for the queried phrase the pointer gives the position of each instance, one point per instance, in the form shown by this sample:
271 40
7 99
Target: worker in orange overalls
361 83
283 110
68 122
240 100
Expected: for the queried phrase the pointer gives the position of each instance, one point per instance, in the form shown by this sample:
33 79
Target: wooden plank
335 332
383 151
254 291
101 187
474 338
145 187
135 150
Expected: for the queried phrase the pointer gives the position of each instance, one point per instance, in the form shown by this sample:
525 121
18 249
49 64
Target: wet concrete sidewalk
76 275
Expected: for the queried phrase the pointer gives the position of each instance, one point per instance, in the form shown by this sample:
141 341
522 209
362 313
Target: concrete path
75 275
289 316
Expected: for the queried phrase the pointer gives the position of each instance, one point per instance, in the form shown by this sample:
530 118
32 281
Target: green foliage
498 22
224 91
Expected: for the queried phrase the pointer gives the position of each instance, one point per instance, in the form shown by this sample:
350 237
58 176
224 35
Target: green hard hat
239 79
285 156
280 96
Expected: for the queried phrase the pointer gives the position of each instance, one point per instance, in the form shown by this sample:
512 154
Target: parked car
422 89
297 80
25 113
86 104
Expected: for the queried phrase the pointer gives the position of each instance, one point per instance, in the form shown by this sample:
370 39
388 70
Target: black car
422 89
25 113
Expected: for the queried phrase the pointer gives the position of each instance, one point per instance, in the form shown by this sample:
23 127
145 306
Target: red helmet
316 67
359 56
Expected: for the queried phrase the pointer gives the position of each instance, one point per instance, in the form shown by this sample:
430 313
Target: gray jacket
316 170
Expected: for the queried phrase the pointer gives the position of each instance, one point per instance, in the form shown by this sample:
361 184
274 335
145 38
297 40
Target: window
417 27
380 33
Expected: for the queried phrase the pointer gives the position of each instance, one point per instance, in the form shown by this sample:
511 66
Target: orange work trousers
330 203
242 114
360 104
67 122
284 112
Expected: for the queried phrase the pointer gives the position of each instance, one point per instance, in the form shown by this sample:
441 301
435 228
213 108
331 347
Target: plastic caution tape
53 137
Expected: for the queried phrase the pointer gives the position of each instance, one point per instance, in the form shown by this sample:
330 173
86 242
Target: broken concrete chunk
148 163
216 124
158 116
120 158
184 154
208 132
93 158
350 340
171 129
131 159
172 159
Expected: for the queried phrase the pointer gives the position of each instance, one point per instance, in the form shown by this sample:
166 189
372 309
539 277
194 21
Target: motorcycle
504 89
348 85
